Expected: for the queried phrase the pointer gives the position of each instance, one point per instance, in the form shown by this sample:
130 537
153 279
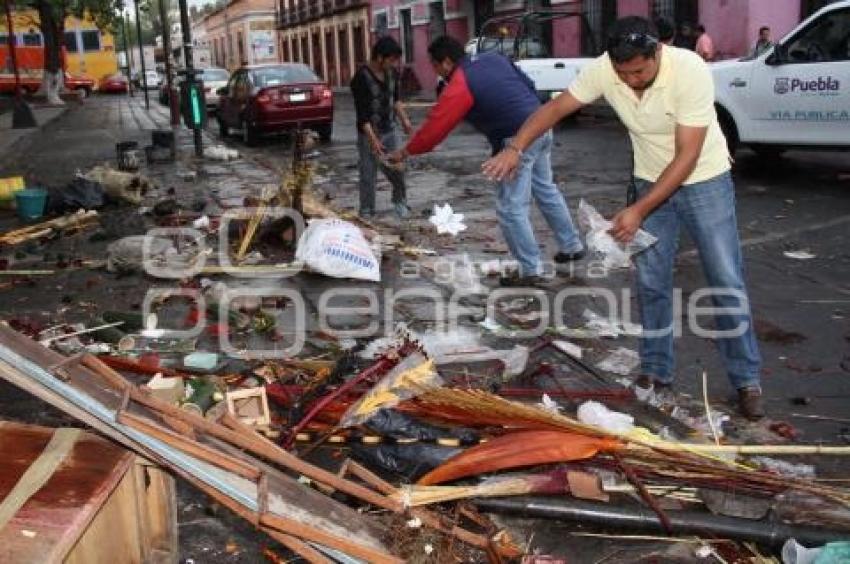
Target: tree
51 21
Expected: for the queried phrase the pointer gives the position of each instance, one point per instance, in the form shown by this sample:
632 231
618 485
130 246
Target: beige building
242 32
331 36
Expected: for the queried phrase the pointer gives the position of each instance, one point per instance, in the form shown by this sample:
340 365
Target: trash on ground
799 255
620 361
446 220
337 248
221 153
614 254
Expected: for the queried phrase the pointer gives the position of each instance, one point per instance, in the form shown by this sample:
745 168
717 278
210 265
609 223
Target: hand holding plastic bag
599 241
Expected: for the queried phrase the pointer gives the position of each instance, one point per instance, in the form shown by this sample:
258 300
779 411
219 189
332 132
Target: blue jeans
707 211
368 168
534 178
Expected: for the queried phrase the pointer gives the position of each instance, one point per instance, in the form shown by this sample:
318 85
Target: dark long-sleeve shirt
374 98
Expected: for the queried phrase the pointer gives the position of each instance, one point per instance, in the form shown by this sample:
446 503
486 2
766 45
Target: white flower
446 220
429 548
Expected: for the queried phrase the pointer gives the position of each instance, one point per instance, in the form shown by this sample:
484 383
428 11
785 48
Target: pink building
333 36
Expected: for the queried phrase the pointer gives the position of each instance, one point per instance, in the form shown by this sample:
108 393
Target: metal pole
189 61
144 81
128 52
169 80
22 116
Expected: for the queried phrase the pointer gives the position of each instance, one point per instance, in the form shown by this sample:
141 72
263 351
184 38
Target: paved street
799 202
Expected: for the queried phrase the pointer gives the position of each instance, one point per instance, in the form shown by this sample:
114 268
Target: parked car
796 94
114 83
81 84
151 80
264 99
214 79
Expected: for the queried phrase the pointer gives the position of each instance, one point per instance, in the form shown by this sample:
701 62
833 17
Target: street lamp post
144 79
128 54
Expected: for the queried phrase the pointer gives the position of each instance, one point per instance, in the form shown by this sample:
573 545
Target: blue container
30 203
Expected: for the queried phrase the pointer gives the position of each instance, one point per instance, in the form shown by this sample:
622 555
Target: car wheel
249 134
223 130
325 132
83 93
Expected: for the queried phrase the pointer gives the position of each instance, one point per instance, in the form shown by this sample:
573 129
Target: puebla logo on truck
820 85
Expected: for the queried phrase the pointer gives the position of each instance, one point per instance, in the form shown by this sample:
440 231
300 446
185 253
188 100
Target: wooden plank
61 443
54 518
156 490
113 535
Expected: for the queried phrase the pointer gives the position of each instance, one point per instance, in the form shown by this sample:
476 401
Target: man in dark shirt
377 104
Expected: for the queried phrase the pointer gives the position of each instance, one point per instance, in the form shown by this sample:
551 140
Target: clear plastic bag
413 374
599 241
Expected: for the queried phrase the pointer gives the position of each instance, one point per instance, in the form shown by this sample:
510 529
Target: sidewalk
44 115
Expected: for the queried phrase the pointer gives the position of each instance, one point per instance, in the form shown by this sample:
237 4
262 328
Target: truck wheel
730 131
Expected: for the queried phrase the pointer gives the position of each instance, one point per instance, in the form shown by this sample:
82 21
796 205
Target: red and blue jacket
487 90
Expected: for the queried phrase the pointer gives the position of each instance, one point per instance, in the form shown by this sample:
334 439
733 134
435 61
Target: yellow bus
89 51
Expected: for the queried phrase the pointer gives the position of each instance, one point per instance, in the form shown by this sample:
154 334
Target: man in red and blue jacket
496 97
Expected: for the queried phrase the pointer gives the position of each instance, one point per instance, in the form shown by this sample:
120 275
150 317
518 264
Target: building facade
333 36
330 36
241 32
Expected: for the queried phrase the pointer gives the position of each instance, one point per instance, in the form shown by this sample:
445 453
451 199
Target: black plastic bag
410 462
392 423
80 193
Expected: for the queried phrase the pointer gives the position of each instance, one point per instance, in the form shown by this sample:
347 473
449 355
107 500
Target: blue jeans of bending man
707 211
368 168
534 179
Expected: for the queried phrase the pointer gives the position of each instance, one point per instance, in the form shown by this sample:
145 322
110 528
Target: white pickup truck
797 94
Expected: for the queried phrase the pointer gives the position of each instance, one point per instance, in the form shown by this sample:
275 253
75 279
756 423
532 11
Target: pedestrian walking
496 97
763 43
379 111
665 97
704 45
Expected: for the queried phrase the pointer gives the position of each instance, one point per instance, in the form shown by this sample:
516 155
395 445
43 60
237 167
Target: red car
114 83
79 83
263 99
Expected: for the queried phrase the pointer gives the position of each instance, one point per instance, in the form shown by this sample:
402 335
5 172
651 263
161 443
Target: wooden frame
254 413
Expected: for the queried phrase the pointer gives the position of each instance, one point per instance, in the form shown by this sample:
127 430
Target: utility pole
194 98
169 79
143 79
22 116
128 54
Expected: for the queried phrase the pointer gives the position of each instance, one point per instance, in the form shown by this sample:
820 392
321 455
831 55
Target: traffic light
193 104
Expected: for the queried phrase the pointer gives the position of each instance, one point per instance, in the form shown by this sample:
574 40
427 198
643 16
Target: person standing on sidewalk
665 98
705 45
378 107
496 97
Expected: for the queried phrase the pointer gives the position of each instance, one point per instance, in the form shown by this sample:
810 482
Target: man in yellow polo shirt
665 98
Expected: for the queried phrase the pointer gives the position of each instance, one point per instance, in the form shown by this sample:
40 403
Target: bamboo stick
266 449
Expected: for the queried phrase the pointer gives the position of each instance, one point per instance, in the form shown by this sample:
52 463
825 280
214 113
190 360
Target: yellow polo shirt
683 94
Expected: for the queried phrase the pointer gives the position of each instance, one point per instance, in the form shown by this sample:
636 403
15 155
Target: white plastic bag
599 241
337 248
594 413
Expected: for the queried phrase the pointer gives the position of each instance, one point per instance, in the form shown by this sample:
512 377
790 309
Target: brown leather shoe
749 403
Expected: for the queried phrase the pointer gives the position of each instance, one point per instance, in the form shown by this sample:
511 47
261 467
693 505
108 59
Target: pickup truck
796 94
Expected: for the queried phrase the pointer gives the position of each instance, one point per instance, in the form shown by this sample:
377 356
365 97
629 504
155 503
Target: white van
796 94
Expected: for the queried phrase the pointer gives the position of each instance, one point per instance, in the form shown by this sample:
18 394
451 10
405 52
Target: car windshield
289 74
215 75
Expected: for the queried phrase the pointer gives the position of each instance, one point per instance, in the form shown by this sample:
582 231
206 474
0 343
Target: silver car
214 78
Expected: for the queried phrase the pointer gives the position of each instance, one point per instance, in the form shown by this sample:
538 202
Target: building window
437 20
382 24
32 40
600 15
91 40
71 42
359 45
677 11
407 35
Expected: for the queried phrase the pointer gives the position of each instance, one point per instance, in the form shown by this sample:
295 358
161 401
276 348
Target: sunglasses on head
637 40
